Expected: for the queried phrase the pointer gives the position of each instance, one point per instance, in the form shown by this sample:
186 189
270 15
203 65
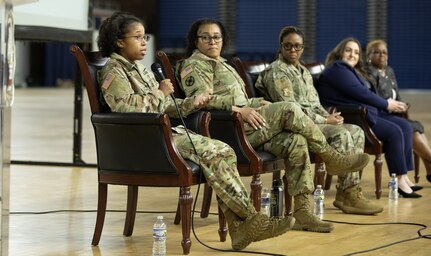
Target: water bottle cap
319 186
160 217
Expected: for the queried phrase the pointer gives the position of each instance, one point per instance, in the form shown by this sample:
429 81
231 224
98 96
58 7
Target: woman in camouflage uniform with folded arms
281 128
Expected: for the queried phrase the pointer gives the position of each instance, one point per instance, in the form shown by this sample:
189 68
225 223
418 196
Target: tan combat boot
305 219
339 198
354 202
337 163
277 227
243 232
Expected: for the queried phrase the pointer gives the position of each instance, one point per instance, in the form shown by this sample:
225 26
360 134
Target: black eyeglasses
139 38
377 52
289 47
207 39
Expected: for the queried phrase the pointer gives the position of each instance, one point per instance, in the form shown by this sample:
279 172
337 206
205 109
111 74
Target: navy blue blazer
340 84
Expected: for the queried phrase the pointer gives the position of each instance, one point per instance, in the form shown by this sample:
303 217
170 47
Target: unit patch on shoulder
186 71
190 81
108 80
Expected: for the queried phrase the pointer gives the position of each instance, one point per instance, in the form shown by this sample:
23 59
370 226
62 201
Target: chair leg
101 211
328 181
206 202
132 202
186 217
319 173
222 231
256 190
417 165
177 219
287 198
378 174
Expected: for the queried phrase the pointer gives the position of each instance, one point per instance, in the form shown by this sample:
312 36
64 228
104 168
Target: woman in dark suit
385 84
343 83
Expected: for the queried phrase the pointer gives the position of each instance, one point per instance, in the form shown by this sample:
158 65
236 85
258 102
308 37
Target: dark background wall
255 25
258 23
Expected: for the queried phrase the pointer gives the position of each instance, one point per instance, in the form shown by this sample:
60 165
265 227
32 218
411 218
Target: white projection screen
53 20
65 14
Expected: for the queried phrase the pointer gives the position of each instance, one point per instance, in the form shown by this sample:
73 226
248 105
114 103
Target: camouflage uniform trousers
289 134
218 164
346 138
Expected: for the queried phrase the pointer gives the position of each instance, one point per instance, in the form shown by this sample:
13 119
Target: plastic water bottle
319 199
265 202
159 236
277 198
393 187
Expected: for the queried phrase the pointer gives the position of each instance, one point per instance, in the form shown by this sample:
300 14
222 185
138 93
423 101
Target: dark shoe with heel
408 195
416 187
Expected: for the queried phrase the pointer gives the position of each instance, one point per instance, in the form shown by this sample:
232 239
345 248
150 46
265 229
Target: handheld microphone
158 72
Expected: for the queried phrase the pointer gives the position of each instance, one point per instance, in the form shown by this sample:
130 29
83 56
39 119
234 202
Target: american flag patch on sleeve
186 71
108 80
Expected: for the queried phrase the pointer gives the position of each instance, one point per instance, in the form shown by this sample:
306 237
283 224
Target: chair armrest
126 118
197 122
229 127
357 114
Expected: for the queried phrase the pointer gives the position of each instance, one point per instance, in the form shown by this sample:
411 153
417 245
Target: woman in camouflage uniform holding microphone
127 86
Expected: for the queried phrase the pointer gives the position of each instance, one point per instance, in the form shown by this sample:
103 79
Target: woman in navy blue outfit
343 82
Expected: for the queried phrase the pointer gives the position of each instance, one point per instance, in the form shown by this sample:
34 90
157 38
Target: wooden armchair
123 158
355 115
249 72
229 128
373 146
416 158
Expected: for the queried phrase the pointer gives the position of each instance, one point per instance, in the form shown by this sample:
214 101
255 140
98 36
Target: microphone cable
419 232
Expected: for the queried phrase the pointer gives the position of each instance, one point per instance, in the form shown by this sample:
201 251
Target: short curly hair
112 29
192 35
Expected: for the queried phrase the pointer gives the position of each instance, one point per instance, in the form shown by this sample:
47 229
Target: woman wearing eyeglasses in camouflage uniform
127 86
281 128
286 79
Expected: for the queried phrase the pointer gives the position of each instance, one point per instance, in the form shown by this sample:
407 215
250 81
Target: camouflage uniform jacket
281 81
200 74
130 87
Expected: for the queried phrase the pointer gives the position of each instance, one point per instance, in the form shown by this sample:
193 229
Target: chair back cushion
315 68
89 63
132 142
249 72
169 69
225 129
